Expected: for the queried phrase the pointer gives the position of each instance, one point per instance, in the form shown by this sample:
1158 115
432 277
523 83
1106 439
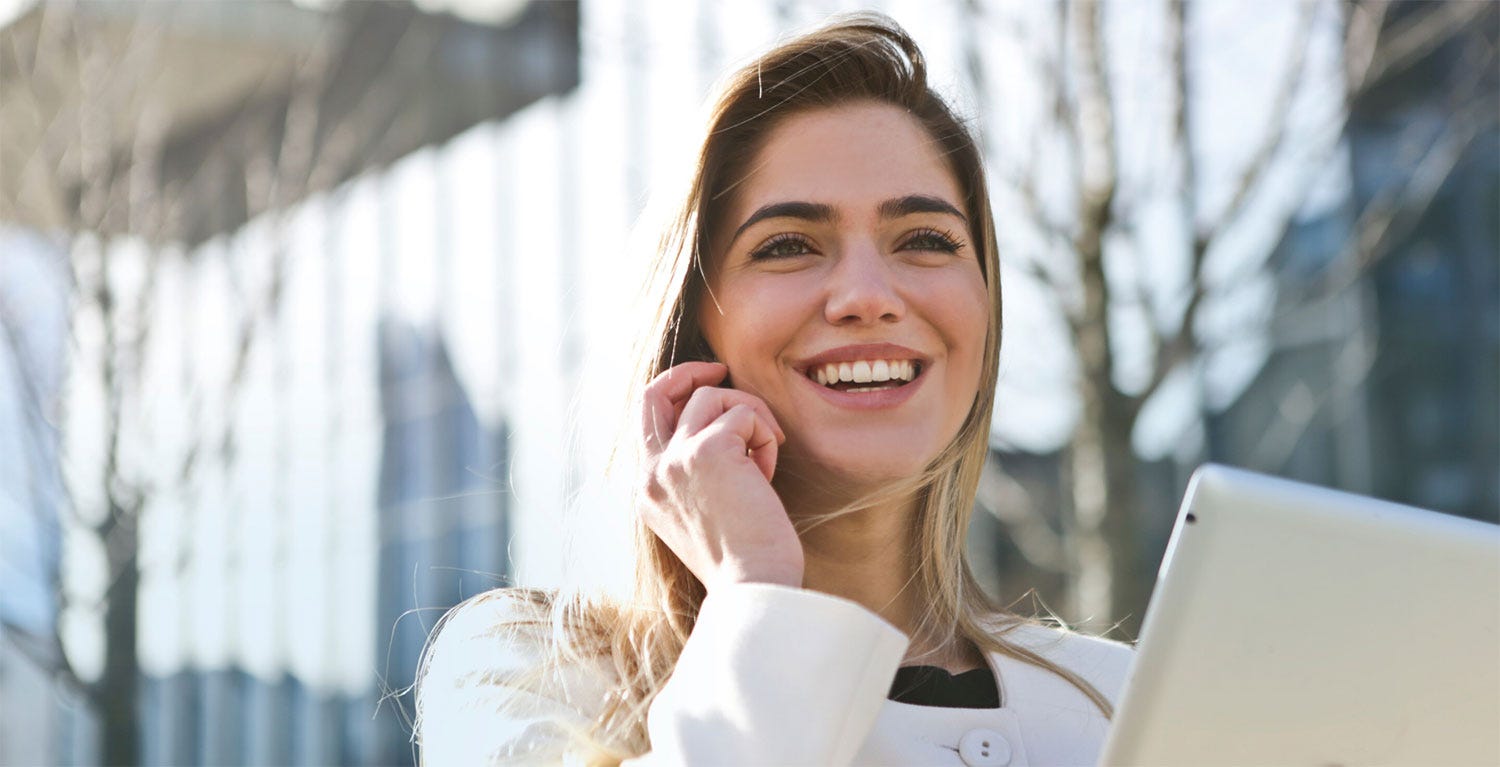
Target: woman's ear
706 352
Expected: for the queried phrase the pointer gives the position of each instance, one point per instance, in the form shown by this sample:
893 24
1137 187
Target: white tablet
1294 625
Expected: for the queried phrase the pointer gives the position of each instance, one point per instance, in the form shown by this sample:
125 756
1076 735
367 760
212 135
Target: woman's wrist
785 573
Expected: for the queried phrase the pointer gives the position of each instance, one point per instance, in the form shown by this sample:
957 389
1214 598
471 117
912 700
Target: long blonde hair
861 57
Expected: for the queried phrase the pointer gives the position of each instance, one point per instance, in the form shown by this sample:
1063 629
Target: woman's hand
710 454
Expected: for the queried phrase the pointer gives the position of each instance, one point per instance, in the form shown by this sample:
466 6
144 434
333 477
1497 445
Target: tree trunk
1102 466
1090 593
1123 518
116 693
1111 585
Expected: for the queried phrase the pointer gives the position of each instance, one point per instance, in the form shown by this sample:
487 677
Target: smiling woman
815 397
854 258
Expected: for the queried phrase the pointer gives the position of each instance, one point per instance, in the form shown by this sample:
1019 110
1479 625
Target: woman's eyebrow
818 212
918 203
808 211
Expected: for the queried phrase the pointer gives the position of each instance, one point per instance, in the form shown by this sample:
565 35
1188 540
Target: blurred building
318 504
1435 385
443 511
42 721
1387 383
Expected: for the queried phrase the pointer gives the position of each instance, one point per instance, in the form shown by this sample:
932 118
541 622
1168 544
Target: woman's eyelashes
932 239
788 245
783 245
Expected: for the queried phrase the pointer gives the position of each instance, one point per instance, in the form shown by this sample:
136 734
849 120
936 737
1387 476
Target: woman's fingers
705 406
706 486
742 427
683 400
744 415
666 395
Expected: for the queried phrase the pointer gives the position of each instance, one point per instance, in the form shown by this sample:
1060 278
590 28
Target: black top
933 686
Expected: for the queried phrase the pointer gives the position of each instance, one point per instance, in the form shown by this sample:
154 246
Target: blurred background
311 315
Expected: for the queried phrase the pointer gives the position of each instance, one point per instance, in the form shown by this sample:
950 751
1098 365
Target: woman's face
845 291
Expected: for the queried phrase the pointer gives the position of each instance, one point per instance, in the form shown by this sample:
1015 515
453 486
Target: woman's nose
862 289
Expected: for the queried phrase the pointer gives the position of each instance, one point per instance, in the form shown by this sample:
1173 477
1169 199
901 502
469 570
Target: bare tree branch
1272 138
1419 34
1097 164
1053 236
1392 215
1395 209
44 653
1004 498
1102 464
1363 22
1181 345
1170 352
1061 120
1296 411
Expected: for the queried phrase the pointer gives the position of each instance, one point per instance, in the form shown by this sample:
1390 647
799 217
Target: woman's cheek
971 318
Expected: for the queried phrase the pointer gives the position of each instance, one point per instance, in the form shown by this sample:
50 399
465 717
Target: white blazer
770 676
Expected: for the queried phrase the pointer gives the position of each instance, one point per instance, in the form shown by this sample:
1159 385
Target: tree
1130 338
109 144
137 131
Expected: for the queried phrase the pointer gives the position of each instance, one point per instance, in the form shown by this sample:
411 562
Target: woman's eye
932 239
782 246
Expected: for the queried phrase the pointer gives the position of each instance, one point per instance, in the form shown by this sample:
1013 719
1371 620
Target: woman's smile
865 376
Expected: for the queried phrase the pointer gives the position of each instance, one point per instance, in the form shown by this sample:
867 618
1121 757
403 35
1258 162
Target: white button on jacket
770 676
984 748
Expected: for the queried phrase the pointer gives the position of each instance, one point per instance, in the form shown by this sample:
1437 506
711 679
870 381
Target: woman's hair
855 58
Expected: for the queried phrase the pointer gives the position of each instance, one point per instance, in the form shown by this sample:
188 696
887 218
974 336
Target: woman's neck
866 556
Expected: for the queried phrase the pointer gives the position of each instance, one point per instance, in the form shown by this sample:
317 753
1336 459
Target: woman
820 384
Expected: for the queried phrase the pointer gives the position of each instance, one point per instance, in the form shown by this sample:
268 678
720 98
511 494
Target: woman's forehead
852 158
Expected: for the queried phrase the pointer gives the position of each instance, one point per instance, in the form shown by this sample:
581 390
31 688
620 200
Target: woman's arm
775 675
770 675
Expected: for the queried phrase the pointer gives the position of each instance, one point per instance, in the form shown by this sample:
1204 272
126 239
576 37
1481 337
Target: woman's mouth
865 375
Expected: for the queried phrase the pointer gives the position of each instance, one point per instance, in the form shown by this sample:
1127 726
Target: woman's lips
879 395
867 352
865 376
877 372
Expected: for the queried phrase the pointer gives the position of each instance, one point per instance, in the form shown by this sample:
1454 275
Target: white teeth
864 371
